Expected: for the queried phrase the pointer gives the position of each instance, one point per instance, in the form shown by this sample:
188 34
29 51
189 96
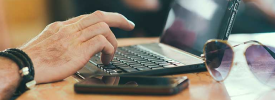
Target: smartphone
135 85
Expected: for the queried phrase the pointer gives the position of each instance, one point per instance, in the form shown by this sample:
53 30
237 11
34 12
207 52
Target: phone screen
144 85
134 81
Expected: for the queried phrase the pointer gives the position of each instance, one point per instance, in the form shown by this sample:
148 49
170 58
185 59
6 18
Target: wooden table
240 84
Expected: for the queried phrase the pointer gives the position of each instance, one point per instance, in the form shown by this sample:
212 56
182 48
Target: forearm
9 78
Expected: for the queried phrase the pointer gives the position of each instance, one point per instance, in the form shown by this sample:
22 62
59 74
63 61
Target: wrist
25 65
34 61
9 67
10 77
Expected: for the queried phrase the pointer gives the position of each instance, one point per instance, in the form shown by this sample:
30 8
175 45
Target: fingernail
131 23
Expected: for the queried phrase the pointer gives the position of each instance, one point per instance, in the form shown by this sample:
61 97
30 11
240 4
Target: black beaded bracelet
13 58
22 55
26 68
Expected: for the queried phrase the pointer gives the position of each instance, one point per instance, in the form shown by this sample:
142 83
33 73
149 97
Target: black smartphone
134 85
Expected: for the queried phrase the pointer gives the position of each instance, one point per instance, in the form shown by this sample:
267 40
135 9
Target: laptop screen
192 22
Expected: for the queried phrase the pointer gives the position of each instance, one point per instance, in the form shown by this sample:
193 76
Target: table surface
240 84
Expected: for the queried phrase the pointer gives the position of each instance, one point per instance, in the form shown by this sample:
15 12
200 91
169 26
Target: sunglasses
219 56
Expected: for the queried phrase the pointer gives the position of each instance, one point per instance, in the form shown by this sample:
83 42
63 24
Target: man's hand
65 47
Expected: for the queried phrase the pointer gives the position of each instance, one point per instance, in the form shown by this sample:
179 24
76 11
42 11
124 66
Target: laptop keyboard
133 59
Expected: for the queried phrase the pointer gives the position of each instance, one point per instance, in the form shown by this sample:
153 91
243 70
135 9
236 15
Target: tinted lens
262 63
219 57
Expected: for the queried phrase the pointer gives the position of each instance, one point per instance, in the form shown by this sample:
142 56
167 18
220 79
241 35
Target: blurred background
21 20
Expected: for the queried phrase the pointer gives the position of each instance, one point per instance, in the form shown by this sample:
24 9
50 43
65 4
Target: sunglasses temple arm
266 48
270 52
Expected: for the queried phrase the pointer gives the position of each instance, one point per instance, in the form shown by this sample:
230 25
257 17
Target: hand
65 47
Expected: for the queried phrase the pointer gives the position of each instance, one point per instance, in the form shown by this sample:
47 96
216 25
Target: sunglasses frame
233 54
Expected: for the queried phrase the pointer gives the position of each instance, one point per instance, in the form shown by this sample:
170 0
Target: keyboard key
158 61
117 62
151 59
140 60
95 61
129 64
114 73
162 63
157 68
143 69
124 59
136 65
108 70
143 61
107 66
130 61
129 69
123 66
153 66
118 70
165 64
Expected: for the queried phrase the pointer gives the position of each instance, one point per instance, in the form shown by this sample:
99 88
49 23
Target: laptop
190 23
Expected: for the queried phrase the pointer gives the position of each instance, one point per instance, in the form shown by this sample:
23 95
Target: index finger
112 19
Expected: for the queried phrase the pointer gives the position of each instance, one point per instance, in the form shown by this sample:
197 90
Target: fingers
107 54
99 29
96 26
112 19
75 19
100 44
54 27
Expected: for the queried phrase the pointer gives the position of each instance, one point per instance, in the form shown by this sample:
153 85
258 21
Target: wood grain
240 85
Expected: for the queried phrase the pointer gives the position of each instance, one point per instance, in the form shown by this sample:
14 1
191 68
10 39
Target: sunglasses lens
219 57
262 63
